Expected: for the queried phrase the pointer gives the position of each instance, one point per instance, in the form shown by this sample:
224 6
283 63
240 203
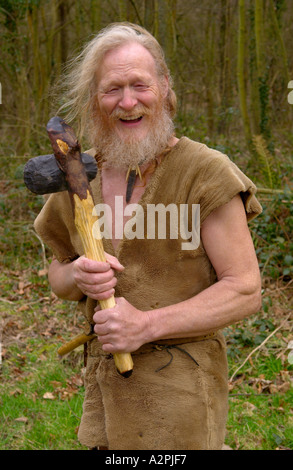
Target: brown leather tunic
183 406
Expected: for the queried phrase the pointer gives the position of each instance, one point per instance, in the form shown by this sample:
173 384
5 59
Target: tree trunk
62 11
171 41
262 74
241 72
96 14
225 62
122 10
210 80
283 53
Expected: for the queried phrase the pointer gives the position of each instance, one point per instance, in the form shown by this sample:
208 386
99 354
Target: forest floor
41 395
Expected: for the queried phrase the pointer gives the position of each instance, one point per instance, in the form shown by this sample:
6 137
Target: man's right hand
84 276
94 278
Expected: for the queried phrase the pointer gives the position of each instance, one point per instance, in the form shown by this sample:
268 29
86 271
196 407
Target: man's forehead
130 56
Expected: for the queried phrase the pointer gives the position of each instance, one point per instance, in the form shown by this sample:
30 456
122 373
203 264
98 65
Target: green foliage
267 163
272 234
260 414
264 106
260 421
12 11
249 333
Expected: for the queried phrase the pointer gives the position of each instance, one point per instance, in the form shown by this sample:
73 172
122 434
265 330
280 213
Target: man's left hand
122 328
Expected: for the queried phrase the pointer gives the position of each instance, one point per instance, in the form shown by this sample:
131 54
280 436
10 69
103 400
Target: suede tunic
183 405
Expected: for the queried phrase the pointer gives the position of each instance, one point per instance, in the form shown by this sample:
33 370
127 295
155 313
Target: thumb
114 263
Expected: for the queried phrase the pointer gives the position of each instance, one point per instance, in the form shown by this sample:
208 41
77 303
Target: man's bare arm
236 295
62 282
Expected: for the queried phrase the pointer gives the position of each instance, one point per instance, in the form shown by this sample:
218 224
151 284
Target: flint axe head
42 174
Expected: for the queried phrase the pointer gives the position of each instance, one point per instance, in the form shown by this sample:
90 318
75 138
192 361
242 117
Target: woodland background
231 61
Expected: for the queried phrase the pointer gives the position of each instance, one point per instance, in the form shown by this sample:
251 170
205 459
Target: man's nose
128 99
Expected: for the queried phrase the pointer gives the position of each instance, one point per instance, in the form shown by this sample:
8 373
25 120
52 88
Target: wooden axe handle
93 248
74 343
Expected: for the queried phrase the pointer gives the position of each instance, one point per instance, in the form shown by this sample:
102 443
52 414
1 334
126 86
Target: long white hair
80 79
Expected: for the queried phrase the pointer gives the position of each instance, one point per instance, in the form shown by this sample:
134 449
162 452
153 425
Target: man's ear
165 86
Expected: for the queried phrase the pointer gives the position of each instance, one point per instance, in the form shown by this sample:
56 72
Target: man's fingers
101 316
92 266
102 281
97 279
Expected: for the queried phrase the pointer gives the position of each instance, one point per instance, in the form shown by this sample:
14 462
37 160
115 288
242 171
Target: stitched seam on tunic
208 417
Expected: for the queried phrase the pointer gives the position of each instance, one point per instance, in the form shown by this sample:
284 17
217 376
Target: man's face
130 96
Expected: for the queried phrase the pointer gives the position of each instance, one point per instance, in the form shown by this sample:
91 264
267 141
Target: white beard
121 153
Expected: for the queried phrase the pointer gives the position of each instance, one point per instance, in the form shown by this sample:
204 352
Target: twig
45 262
286 286
266 263
270 191
5 300
233 395
259 347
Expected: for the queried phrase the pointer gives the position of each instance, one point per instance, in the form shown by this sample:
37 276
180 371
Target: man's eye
140 86
111 90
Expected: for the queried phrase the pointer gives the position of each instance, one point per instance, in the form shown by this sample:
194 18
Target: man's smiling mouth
131 120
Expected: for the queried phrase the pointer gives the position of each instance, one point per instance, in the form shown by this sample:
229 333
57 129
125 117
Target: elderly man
172 299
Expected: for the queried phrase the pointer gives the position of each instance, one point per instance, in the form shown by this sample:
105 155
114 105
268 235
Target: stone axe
73 172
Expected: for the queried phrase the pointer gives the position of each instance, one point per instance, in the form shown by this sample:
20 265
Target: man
172 300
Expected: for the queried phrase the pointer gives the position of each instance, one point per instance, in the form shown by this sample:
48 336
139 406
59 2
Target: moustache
135 113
